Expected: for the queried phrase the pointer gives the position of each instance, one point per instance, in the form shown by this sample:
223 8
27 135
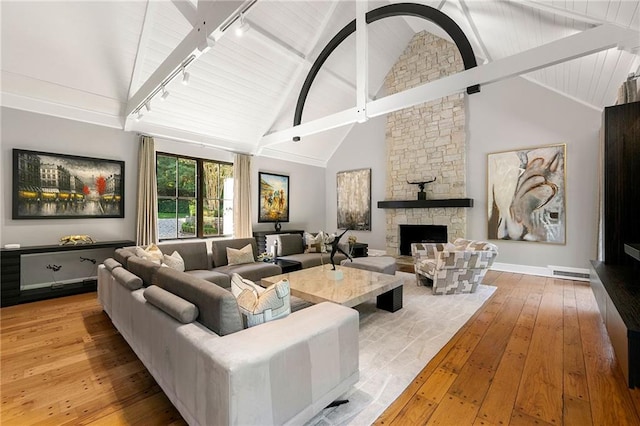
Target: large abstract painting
273 203
60 186
354 199
526 194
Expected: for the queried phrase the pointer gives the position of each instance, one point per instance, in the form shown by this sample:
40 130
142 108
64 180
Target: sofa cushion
194 253
180 309
309 260
239 284
219 249
223 280
122 255
174 261
218 309
152 253
253 271
143 268
111 264
238 257
290 244
272 304
127 279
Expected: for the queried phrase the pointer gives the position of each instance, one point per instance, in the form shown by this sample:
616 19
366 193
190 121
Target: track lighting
148 106
139 116
165 94
185 77
243 27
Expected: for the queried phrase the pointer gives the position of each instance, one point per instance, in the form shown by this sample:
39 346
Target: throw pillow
152 253
174 261
314 244
239 284
273 303
238 257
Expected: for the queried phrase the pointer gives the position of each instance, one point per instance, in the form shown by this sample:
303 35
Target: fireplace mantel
425 204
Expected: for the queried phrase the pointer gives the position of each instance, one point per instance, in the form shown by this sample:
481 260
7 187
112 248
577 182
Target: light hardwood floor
535 353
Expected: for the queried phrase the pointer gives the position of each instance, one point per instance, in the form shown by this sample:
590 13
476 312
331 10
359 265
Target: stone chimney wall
426 140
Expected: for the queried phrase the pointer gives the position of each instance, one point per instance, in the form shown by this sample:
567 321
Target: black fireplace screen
420 234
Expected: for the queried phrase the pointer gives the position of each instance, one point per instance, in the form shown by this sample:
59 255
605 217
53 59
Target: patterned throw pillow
314 244
273 303
151 253
174 261
239 284
238 257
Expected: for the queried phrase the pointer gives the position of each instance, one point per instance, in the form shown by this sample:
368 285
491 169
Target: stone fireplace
426 140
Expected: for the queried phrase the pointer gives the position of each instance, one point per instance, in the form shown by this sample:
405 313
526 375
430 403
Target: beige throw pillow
273 303
151 253
238 257
174 261
239 284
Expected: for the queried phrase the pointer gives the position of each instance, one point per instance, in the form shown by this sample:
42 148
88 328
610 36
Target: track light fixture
243 27
165 94
148 106
185 76
139 116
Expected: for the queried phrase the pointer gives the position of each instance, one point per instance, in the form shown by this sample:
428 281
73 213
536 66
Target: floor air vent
572 273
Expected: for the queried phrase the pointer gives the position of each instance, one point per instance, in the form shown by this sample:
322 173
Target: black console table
10 263
261 237
617 292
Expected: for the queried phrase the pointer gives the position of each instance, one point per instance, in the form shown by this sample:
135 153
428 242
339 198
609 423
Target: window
195 197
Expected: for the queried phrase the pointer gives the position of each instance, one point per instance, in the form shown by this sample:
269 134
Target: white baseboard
549 271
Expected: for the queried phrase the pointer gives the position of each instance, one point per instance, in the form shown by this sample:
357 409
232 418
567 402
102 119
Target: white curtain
242 227
147 208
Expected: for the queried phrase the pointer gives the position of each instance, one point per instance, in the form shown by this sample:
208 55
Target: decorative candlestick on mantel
422 195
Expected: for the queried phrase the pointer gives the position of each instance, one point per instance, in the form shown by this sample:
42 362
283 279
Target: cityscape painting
59 186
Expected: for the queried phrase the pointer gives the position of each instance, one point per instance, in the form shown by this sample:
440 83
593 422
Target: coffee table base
390 301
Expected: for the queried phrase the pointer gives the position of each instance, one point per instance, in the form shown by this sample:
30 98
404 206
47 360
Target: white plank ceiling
85 60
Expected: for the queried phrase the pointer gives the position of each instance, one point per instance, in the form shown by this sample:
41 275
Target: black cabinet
617 292
261 237
621 181
11 260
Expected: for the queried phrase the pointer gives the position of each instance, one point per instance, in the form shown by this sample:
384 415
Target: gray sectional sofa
189 333
198 262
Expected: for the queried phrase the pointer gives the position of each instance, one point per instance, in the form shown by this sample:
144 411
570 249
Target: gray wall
26 130
306 194
507 115
364 147
518 114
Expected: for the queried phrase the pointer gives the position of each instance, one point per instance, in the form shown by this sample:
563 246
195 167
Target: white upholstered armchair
457 267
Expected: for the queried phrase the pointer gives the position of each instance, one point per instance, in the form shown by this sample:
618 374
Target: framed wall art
273 197
526 194
60 186
354 199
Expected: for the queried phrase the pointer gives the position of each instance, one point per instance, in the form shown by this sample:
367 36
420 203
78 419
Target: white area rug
395 347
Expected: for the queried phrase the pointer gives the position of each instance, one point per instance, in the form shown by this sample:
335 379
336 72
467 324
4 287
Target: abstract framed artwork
273 197
354 199
60 186
527 194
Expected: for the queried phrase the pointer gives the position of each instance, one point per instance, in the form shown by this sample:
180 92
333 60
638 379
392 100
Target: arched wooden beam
398 9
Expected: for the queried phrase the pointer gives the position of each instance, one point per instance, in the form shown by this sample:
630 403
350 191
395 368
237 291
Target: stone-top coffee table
316 285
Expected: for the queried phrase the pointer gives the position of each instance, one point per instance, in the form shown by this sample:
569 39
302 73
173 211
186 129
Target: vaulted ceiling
98 61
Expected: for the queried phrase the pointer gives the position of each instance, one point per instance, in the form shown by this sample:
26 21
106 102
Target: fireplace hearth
420 234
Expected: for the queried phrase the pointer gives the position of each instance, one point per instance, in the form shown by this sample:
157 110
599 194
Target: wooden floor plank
575 375
540 391
453 411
